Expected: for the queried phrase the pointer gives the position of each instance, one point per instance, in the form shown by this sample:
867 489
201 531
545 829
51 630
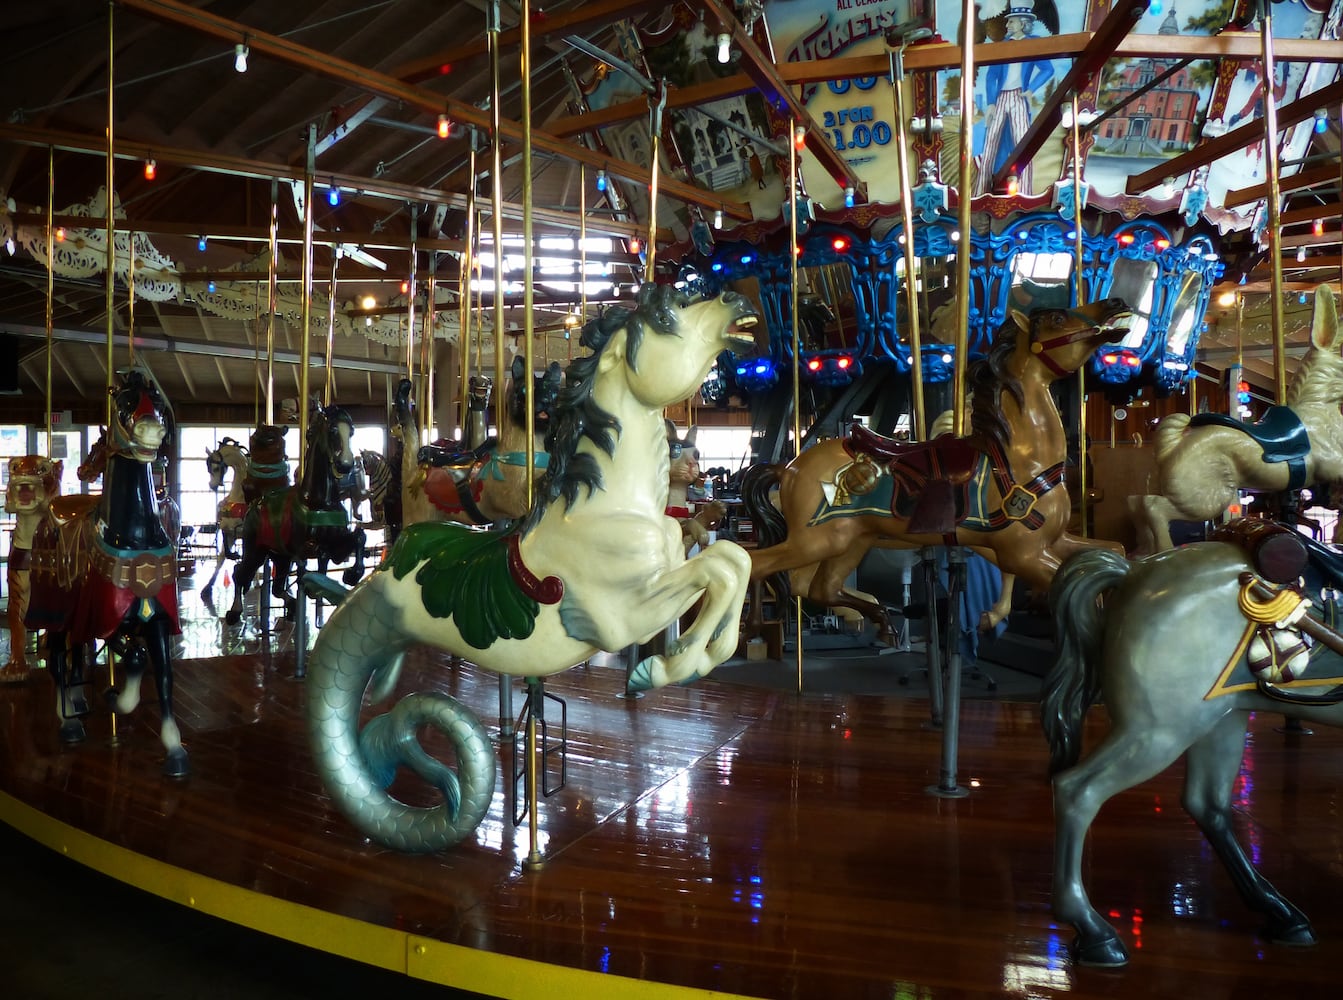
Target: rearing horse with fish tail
595 565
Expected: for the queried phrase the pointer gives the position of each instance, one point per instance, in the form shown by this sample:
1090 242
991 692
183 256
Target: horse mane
577 416
1318 380
988 377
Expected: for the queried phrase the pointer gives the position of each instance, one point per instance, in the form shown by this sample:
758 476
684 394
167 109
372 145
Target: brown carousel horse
487 483
105 568
993 491
305 521
1203 461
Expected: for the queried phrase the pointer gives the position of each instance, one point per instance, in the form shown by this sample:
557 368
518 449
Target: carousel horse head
478 388
33 481
330 434
217 463
266 443
546 388
141 419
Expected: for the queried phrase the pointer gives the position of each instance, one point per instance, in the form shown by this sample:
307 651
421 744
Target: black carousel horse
305 521
105 569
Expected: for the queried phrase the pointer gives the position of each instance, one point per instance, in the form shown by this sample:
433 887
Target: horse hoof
232 619
1297 935
641 677
72 732
351 576
176 765
1100 953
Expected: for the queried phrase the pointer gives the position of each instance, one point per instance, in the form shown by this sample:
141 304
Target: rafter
332 67
1298 181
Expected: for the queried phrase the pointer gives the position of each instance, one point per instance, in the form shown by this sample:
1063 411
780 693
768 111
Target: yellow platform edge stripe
503 976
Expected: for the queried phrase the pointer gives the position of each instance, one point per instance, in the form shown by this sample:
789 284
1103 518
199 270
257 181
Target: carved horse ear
1018 317
1324 321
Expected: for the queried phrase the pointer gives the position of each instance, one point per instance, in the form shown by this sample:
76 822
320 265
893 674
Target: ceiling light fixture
848 197
1301 255
151 169
9 245
718 219
333 193
724 47
240 54
444 126
601 180
635 245
202 243
800 136
1321 121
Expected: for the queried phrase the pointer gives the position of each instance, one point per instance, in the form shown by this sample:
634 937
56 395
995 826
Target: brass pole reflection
305 354
464 297
1081 294
273 297
797 356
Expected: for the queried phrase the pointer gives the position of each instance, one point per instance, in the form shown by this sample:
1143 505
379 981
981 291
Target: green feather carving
464 576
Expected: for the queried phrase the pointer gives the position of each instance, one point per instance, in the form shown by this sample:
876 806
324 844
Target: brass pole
111 221
797 358
51 278
111 286
897 71
582 250
654 141
1274 197
497 200
305 354
534 857
965 188
427 344
464 296
130 295
410 321
1081 298
273 297
328 389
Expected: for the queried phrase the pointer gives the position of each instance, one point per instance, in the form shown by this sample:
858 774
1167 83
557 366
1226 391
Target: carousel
852 488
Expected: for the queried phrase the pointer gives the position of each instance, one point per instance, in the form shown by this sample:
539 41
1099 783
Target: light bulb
368 302
718 219
210 287
333 195
202 243
1013 185
60 234
1321 121
1301 254
9 245
848 197
240 52
601 180
1318 227
724 47
151 169
1154 8
800 136
444 126
635 245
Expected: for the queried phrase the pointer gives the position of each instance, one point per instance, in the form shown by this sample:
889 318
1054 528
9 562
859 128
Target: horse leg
242 580
71 700
279 586
720 573
159 648
1211 768
134 660
1153 514
356 572
827 587
1125 758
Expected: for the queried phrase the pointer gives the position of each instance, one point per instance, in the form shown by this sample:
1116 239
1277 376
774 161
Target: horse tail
1168 434
771 527
1073 682
756 484
361 648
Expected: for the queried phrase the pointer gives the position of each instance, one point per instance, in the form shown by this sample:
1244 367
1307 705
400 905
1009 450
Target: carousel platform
719 839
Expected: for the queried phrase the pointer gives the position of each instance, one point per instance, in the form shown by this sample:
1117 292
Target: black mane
577 416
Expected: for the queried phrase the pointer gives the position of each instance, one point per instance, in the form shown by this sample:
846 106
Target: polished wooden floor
715 837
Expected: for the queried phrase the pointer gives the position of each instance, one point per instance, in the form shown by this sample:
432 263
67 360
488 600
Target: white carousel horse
228 455
595 565
1203 461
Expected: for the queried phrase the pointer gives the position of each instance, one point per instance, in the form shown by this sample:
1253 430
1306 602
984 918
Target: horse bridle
1042 347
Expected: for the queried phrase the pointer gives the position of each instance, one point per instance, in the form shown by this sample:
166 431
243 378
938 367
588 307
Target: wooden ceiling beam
412 96
69 372
1298 181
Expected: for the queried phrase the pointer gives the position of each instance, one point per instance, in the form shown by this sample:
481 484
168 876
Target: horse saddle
931 478
1280 434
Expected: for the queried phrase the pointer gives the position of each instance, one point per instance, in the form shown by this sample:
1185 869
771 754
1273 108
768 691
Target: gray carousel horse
1184 646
